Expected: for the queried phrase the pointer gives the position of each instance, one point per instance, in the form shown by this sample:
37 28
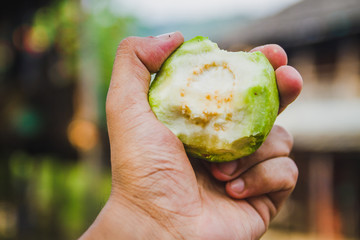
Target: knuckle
293 173
127 44
286 137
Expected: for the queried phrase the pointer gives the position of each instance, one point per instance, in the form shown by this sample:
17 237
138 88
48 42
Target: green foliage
80 35
104 31
61 197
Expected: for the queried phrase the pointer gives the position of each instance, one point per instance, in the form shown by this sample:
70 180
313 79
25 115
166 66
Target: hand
156 191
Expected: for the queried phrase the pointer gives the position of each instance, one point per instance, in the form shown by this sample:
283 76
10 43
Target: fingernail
238 185
228 168
165 36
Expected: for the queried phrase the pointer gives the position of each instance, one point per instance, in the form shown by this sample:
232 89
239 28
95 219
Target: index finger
289 80
274 53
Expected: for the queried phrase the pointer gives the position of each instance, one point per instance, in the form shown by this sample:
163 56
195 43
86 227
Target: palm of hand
185 192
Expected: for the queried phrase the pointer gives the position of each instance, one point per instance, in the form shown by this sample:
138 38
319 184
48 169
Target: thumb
143 150
136 58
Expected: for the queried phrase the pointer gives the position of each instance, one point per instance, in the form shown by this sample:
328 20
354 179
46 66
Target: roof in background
306 22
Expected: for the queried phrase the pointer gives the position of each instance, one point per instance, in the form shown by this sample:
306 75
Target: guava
220 104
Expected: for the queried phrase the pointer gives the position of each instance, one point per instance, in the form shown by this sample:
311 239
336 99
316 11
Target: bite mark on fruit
221 101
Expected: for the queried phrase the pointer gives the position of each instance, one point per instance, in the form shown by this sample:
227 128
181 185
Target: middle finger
278 144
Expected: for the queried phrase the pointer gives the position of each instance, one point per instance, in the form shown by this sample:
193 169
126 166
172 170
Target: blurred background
55 64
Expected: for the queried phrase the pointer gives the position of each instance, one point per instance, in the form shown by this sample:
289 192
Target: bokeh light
8 220
36 40
83 134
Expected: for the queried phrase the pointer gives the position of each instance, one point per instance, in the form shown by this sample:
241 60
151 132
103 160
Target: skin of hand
157 192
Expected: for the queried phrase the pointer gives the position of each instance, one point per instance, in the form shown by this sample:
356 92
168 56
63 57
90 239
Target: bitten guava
221 105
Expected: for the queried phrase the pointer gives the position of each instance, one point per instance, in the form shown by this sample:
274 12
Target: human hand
157 192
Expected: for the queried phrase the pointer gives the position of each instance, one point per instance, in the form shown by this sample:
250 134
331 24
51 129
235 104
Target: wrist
125 220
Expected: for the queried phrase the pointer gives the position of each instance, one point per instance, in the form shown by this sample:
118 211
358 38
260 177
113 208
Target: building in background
322 39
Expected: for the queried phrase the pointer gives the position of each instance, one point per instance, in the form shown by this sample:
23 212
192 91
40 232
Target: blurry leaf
21 166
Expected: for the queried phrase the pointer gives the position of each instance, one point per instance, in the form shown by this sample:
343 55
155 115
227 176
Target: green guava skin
258 105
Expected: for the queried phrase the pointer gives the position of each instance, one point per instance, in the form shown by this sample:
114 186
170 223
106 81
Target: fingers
274 53
275 177
278 143
289 81
264 179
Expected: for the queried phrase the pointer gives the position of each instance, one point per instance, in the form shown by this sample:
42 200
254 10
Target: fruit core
207 97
